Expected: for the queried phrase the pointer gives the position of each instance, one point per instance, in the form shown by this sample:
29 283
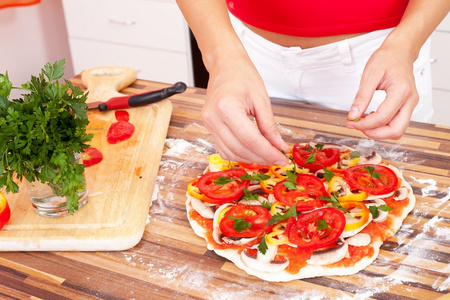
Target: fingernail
354 110
281 163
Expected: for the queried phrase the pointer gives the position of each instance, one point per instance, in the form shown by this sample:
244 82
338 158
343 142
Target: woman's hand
236 93
389 69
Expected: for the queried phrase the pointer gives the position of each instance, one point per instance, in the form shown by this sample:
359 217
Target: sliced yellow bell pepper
357 210
352 161
361 196
268 184
277 207
335 185
280 171
276 236
193 190
218 161
222 213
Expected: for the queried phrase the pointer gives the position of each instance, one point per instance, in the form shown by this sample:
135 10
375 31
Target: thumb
367 88
269 129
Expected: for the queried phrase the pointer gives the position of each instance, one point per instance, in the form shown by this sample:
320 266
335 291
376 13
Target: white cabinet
440 70
150 36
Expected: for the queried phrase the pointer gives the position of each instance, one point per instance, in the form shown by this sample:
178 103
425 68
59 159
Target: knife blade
139 99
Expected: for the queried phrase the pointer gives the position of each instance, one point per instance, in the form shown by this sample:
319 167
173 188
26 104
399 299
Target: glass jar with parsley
41 135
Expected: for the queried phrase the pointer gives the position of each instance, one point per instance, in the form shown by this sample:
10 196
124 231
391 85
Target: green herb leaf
249 196
334 201
223 180
240 224
372 173
292 212
311 159
262 247
354 154
374 210
291 177
319 146
322 224
255 176
328 174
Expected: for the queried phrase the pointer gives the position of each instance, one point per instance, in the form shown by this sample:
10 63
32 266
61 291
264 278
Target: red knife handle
144 98
115 103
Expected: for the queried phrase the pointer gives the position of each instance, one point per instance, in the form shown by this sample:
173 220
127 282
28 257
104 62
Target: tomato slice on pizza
374 179
243 221
224 186
306 186
317 229
315 158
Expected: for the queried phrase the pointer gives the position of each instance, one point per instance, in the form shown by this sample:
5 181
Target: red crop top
312 18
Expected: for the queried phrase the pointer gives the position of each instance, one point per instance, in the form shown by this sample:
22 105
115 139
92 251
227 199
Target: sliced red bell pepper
5 211
91 156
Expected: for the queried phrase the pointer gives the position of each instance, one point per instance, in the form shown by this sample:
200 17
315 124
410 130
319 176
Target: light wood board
120 191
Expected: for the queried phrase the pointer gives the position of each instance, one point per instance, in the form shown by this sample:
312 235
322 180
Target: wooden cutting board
120 191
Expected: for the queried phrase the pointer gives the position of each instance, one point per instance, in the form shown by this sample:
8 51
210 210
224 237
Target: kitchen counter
172 262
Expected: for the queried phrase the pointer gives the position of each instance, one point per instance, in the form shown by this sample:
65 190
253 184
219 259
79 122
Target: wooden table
172 262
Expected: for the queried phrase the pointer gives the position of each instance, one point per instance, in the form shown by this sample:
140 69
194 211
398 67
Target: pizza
325 213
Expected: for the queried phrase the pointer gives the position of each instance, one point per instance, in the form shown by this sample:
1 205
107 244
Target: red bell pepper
5 211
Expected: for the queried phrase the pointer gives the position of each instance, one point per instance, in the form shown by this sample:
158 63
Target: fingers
237 138
370 81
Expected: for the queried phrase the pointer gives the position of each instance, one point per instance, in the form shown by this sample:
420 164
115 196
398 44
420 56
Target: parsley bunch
41 132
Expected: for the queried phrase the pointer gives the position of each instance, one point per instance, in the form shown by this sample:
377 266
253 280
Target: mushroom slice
358 240
374 158
264 262
329 256
206 210
375 197
382 215
401 194
236 241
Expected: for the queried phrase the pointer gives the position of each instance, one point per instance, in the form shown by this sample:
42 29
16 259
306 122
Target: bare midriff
299 41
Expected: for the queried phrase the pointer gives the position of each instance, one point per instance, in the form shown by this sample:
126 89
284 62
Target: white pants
328 75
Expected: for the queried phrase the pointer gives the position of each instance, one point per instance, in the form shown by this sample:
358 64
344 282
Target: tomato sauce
397 206
297 257
355 255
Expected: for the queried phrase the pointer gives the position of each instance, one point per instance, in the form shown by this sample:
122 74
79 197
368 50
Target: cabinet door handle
121 22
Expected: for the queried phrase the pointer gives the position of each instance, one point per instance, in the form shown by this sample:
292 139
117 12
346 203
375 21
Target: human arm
390 68
235 89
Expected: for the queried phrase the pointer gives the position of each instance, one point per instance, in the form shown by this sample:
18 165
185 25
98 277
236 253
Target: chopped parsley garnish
374 210
328 174
255 176
249 196
354 154
334 201
311 158
322 224
223 180
291 181
292 212
240 224
262 247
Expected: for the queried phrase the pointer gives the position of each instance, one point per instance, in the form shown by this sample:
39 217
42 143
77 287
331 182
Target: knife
139 99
